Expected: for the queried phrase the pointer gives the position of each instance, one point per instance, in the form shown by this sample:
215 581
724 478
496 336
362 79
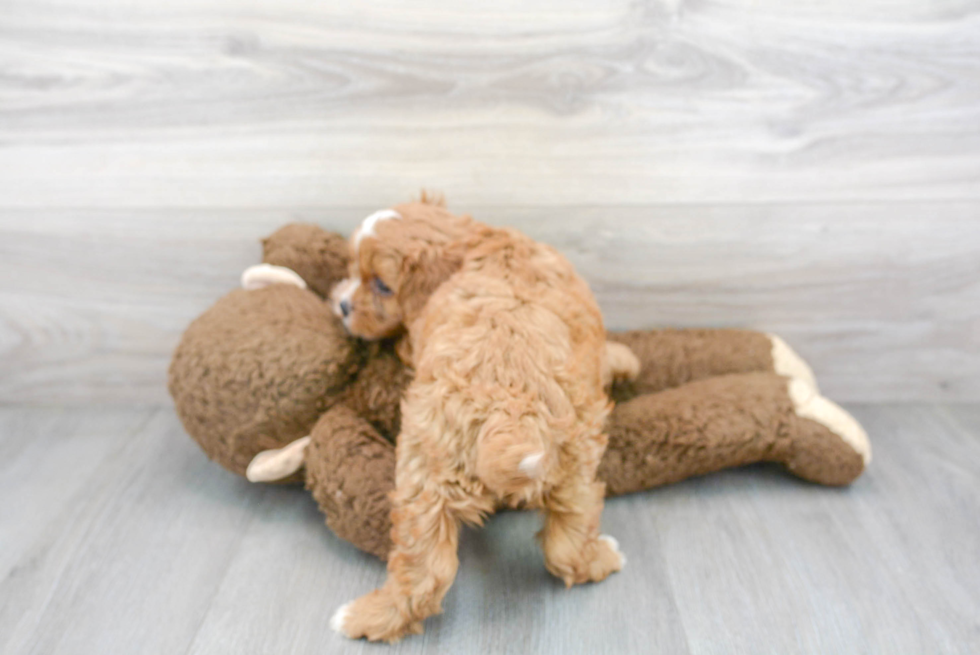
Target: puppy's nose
345 307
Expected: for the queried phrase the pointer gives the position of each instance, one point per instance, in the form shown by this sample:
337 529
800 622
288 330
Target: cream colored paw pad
787 362
809 404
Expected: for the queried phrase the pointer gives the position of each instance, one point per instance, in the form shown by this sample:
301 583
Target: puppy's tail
513 453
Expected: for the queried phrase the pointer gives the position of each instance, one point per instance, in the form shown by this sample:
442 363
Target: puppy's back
513 343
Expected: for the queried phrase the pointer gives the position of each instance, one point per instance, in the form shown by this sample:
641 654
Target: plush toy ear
263 275
278 463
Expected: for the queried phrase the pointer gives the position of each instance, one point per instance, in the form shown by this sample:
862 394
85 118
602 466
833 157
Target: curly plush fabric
375 395
320 257
677 357
260 368
716 423
228 375
350 469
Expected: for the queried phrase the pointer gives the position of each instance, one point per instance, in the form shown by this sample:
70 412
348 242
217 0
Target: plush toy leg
670 358
350 469
728 421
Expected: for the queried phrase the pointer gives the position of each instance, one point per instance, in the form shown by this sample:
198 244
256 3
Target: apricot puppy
506 407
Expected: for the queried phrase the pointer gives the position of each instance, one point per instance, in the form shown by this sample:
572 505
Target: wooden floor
805 167
119 536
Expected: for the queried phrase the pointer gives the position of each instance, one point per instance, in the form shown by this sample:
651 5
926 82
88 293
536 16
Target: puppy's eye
380 287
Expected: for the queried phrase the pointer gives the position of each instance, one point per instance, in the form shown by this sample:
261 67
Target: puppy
506 408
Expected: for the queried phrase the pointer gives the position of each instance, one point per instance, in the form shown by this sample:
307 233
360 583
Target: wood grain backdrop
810 168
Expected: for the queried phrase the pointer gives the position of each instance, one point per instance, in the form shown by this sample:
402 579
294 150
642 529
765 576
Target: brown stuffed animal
268 381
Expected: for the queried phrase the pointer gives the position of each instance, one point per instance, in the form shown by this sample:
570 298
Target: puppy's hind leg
421 567
573 548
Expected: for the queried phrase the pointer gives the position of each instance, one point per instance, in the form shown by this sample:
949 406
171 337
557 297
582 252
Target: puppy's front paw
375 617
613 545
339 618
593 563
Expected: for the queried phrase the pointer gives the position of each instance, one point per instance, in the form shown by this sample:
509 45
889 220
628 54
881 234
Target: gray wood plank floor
118 536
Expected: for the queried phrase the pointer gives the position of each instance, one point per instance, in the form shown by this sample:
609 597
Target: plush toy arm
728 421
670 358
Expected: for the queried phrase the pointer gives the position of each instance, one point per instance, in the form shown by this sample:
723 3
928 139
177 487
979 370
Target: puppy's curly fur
507 405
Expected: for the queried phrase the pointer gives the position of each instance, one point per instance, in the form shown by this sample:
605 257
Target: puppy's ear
424 271
434 198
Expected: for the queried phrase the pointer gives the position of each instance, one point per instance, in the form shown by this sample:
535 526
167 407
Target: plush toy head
258 369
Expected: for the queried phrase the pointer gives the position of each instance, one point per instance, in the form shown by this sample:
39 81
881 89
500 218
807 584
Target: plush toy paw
786 362
829 446
376 616
809 404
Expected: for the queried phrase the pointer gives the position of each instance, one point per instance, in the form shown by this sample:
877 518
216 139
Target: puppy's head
399 257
